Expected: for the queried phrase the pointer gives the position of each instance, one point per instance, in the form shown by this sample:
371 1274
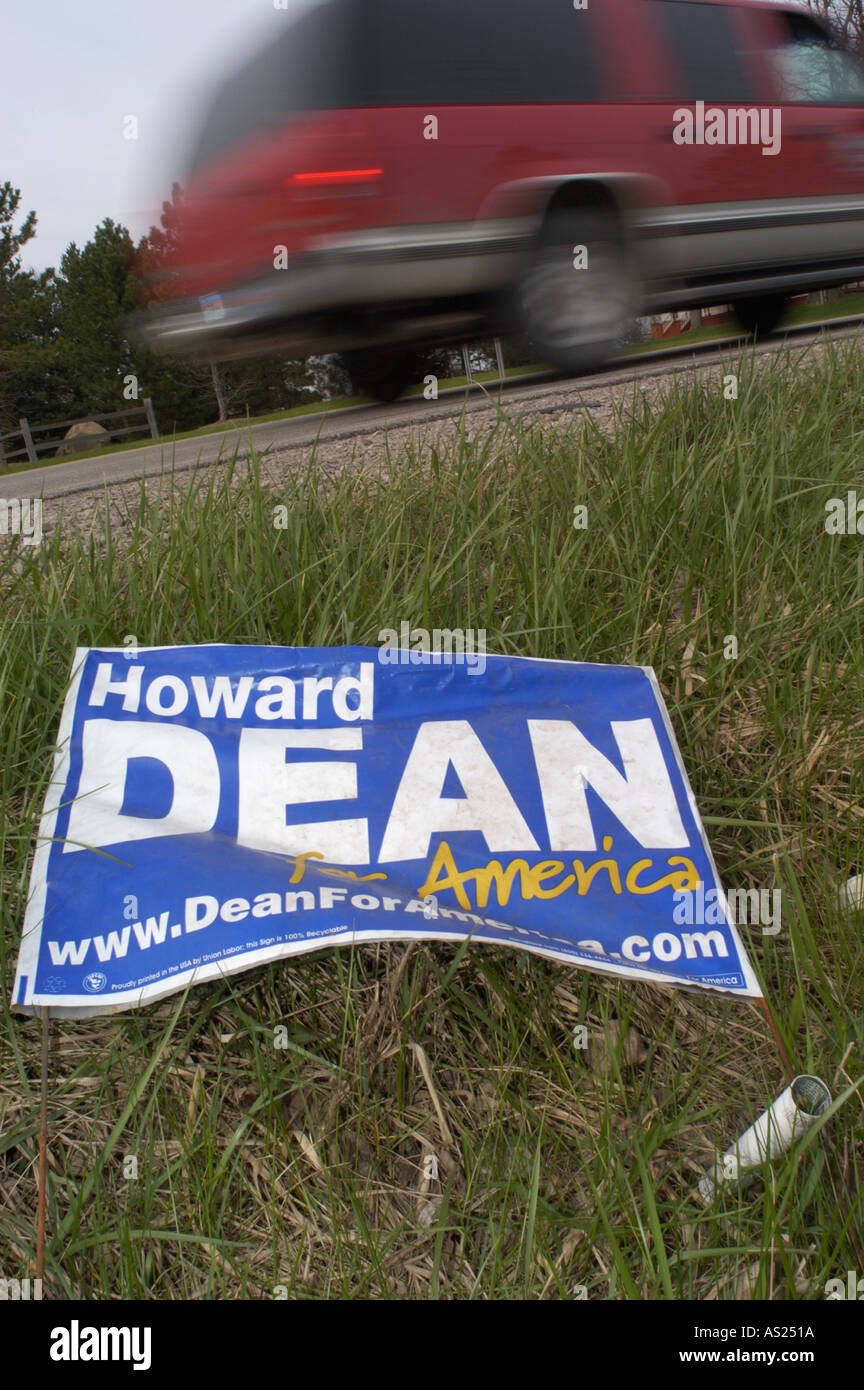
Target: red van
385 176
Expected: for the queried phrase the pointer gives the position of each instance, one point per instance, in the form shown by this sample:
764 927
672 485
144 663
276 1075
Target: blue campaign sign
216 807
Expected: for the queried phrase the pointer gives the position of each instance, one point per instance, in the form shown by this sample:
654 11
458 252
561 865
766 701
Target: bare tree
846 18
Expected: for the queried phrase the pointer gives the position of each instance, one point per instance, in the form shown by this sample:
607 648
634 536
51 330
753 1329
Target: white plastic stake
851 893
793 1112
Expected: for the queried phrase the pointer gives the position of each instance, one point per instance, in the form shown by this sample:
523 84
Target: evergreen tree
97 289
29 369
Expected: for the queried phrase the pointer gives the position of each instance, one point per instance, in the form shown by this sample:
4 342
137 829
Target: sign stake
781 1046
43 1151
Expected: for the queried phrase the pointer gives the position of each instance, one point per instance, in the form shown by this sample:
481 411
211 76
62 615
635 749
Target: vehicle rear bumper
376 270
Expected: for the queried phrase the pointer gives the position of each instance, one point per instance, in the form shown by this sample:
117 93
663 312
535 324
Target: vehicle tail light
330 178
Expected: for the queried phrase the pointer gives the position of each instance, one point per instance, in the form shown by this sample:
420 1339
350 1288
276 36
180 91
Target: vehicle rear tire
382 373
760 315
577 317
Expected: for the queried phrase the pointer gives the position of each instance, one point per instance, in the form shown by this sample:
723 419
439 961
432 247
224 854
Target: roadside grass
298 1170
846 305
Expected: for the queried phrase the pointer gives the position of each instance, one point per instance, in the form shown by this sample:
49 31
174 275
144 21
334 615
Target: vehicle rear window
303 66
345 53
703 47
467 52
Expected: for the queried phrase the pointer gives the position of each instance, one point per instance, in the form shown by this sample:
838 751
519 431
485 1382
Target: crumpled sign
213 808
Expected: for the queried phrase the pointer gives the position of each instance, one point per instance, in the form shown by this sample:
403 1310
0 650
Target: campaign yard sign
216 807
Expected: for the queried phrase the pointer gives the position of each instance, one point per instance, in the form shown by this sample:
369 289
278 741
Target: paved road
63 479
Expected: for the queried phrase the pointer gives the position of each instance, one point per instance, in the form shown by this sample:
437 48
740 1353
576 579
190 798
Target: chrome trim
720 292
426 242
733 217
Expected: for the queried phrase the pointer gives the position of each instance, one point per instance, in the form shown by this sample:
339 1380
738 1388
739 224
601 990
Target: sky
74 72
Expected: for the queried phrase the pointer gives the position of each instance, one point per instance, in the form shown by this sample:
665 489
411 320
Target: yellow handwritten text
444 874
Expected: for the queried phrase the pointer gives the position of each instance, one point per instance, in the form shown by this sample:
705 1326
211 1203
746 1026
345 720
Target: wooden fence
31 450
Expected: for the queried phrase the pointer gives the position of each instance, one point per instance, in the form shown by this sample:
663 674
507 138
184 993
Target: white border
85 1005
754 989
34 915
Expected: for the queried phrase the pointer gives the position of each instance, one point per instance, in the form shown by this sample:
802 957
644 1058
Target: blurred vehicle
385 176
